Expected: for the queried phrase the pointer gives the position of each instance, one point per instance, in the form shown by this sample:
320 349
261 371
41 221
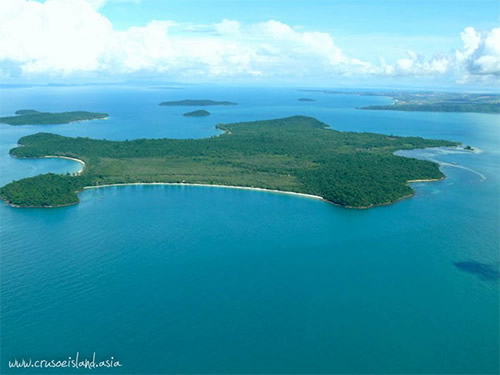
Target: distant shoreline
23 117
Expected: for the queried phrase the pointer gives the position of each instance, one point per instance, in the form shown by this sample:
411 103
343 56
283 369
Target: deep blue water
207 280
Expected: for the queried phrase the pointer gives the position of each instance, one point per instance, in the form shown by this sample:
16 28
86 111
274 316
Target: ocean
183 279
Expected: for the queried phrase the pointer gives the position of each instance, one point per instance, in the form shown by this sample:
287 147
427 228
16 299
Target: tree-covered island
195 102
198 113
297 154
32 117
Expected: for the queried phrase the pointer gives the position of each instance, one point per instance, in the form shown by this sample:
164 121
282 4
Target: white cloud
100 3
481 52
58 36
228 27
479 59
71 37
416 65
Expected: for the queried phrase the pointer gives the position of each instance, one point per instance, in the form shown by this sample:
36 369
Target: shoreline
224 131
90 119
303 195
61 123
426 180
67 158
58 206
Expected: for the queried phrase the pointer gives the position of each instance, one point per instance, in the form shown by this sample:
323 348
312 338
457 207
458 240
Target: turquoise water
207 280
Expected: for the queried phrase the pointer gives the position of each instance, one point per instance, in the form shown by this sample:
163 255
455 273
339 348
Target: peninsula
430 101
198 113
295 154
32 117
198 102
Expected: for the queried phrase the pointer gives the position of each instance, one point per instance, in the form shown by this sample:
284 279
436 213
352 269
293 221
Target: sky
325 43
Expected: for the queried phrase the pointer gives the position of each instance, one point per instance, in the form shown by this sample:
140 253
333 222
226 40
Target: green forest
298 154
32 117
198 113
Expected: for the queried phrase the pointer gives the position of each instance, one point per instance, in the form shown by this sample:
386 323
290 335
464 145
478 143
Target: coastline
58 206
90 119
67 158
224 131
426 180
61 123
303 195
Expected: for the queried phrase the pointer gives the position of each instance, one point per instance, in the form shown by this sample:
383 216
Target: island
306 100
198 113
430 101
295 154
197 102
32 117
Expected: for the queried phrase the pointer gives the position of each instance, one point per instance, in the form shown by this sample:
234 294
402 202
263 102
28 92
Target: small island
32 117
306 100
198 113
197 102
295 154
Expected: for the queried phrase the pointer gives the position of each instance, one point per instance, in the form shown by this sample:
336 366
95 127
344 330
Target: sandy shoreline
68 158
90 119
311 196
303 195
426 180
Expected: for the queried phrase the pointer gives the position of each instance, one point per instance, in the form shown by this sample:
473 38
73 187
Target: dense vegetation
297 154
44 190
191 102
430 101
32 117
198 113
26 112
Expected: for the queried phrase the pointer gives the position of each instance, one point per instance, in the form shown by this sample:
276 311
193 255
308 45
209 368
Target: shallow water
197 279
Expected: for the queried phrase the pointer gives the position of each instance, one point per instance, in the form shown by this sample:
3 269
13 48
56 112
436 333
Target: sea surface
179 279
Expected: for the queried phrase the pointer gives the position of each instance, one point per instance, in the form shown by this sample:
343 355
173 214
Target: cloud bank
66 38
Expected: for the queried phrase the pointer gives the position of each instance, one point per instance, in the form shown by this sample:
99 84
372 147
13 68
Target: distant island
429 101
32 117
438 107
191 102
198 113
306 100
294 154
